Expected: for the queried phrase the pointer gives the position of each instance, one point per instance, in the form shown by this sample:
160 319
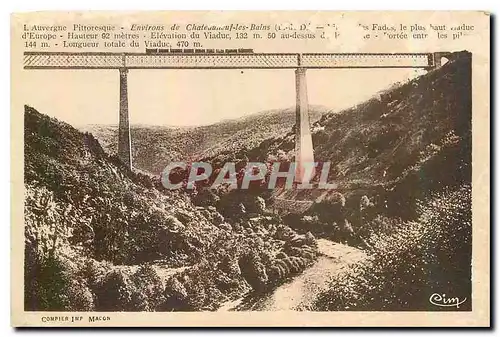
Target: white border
6 7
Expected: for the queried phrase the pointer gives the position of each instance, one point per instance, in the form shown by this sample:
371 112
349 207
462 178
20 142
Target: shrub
115 293
44 283
330 210
148 292
175 295
79 296
196 289
380 225
253 271
53 284
46 228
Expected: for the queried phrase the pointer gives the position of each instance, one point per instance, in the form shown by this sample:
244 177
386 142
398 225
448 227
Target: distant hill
153 147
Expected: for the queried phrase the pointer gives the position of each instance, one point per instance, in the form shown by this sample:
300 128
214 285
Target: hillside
153 147
403 165
100 237
397 148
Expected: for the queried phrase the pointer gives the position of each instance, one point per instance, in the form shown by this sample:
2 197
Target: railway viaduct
194 59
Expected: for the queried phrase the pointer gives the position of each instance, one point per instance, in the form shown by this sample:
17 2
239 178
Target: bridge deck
64 60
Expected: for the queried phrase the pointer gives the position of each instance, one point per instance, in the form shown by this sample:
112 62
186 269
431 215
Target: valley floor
301 292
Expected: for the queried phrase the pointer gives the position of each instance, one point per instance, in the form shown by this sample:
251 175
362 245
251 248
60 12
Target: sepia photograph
185 178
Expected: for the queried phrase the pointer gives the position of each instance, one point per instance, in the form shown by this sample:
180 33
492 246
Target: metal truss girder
60 60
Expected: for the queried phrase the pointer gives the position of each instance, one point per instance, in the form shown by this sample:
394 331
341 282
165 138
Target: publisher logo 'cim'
442 301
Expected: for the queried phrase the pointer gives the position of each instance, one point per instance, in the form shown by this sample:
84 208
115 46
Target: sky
195 97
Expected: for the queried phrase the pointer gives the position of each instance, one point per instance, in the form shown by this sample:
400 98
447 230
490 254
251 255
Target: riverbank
300 292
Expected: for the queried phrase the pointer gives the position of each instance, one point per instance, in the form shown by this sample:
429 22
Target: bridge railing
64 60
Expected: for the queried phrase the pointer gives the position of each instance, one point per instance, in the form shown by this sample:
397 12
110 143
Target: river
300 292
